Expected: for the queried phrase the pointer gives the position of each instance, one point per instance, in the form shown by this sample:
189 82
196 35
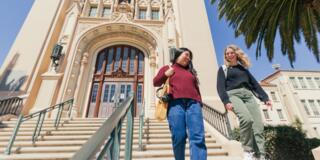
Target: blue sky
14 12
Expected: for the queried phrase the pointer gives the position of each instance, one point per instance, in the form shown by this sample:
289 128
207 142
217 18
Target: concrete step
188 158
52 122
156 136
26 133
52 129
150 131
169 153
65 118
42 156
150 147
47 138
45 143
46 149
164 141
51 125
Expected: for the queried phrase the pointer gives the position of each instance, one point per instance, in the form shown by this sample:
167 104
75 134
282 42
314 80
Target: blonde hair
242 58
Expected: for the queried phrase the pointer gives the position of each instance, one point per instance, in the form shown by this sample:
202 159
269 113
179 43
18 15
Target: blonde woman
236 87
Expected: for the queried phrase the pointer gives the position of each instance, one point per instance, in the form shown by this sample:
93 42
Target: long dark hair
177 53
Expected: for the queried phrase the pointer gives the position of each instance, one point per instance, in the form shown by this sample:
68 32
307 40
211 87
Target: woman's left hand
269 104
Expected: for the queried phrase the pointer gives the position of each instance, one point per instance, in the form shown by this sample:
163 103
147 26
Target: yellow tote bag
162 106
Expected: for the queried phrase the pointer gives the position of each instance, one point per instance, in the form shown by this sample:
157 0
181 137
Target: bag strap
167 83
225 70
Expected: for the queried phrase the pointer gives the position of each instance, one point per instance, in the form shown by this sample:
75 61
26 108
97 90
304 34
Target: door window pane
122 92
117 61
132 56
139 95
112 93
110 60
94 93
100 62
128 90
140 69
106 93
124 60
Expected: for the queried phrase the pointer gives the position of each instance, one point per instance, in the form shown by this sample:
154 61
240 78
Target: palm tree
260 20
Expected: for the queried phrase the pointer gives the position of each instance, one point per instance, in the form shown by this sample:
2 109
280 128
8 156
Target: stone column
76 107
148 16
152 103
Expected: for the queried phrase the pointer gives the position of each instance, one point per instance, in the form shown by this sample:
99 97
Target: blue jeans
185 120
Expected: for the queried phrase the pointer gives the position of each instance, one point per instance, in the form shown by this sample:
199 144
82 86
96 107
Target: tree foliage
259 21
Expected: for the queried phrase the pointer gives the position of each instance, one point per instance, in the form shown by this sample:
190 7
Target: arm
221 87
262 95
160 78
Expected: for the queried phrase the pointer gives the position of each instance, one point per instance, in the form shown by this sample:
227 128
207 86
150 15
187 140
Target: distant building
295 94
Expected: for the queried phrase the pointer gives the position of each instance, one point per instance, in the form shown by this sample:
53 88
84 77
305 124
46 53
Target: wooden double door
119 71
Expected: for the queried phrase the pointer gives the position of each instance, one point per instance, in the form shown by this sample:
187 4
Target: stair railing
105 142
12 105
218 120
41 117
141 125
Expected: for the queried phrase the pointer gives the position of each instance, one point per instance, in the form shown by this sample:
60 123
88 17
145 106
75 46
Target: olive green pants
251 127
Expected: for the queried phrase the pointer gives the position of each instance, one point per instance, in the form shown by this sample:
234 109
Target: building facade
295 94
98 51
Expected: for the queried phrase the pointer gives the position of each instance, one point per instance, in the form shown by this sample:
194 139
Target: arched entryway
119 69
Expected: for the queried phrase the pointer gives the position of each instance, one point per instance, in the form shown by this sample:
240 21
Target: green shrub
286 142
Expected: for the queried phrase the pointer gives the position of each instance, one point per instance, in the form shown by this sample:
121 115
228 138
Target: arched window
119 70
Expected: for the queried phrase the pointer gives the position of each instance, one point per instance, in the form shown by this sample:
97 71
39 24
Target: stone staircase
52 144
157 144
72 134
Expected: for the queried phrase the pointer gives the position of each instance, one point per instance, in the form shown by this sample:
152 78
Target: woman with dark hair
184 111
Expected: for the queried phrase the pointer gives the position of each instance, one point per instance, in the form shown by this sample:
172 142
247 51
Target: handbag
162 105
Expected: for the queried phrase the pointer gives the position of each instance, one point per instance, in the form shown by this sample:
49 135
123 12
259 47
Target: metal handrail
218 120
12 105
41 116
108 136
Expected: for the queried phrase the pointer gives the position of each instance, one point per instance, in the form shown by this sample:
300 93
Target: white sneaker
248 156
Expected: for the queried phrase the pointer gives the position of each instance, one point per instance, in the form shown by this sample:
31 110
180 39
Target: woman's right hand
229 106
169 72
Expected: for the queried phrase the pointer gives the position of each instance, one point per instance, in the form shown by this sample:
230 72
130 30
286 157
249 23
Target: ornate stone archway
91 42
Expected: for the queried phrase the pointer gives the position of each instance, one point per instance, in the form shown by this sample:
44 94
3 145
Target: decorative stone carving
107 1
119 73
82 27
123 12
156 3
84 59
142 3
94 1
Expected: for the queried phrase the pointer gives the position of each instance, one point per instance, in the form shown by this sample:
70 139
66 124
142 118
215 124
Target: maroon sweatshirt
182 83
